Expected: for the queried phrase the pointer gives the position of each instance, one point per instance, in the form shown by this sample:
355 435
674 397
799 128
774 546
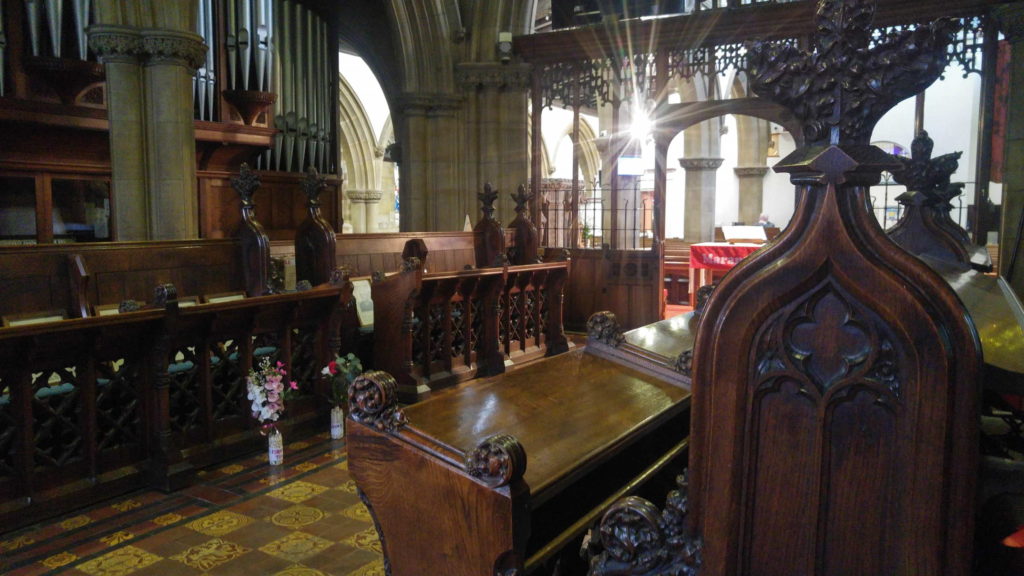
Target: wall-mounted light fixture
505 47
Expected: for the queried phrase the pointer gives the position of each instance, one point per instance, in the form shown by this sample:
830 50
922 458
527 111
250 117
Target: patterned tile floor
244 518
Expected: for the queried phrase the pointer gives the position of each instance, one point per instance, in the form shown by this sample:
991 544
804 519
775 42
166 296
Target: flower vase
275 448
337 423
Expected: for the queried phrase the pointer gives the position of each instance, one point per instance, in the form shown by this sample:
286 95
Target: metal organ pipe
275 46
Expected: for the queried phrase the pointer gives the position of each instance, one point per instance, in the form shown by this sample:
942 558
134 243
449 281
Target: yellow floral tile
220 523
349 487
300 445
75 522
372 569
168 519
342 466
117 537
296 546
365 540
300 571
232 469
357 512
126 505
119 562
336 454
297 516
209 555
305 467
272 480
15 543
58 560
298 491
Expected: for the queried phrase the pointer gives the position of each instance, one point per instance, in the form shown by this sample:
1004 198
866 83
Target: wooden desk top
571 408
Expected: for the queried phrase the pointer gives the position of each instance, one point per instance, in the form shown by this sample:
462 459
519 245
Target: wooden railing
433 330
97 406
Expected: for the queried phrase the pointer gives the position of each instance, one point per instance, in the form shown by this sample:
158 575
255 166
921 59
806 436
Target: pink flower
294 385
333 367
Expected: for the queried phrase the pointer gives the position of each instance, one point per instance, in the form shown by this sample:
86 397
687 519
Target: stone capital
1011 21
364 196
750 171
117 44
492 75
173 47
429 104
701 163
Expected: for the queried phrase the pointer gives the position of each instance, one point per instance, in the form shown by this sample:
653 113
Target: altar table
706 257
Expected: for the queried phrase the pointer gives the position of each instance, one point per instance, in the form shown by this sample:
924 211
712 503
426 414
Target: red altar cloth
719 255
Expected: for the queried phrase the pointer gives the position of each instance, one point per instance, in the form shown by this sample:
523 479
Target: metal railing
595 220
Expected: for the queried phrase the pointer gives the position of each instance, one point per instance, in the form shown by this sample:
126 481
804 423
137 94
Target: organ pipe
275 46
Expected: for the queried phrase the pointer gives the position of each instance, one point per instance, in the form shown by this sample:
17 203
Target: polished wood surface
591 430
530 403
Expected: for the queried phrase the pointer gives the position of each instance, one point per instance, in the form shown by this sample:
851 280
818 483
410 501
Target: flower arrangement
342 371
267 392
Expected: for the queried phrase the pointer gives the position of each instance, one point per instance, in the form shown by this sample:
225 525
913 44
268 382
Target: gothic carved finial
498 460
842 86
487 198
373 400
684 363
164 293
927 175
313 184
246 184
637 539
521 197
340 275
604 327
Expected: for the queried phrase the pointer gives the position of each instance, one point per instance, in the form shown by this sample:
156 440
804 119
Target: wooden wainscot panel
627 281
280 204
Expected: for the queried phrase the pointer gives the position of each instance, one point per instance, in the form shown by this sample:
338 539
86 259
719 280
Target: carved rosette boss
499 460
373 401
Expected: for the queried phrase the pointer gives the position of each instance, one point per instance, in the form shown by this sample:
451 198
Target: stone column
431 141
700 198
751 179
1011 20
496 135
119 48
363 214
171 58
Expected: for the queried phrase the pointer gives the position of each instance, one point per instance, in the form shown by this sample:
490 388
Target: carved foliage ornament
604 327
521 197
313 184
373 400
927 175
498 460
637 539
842 87
246 184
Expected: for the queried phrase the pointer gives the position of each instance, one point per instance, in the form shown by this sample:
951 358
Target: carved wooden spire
315 243
527 242
255 243
488 235
925 228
